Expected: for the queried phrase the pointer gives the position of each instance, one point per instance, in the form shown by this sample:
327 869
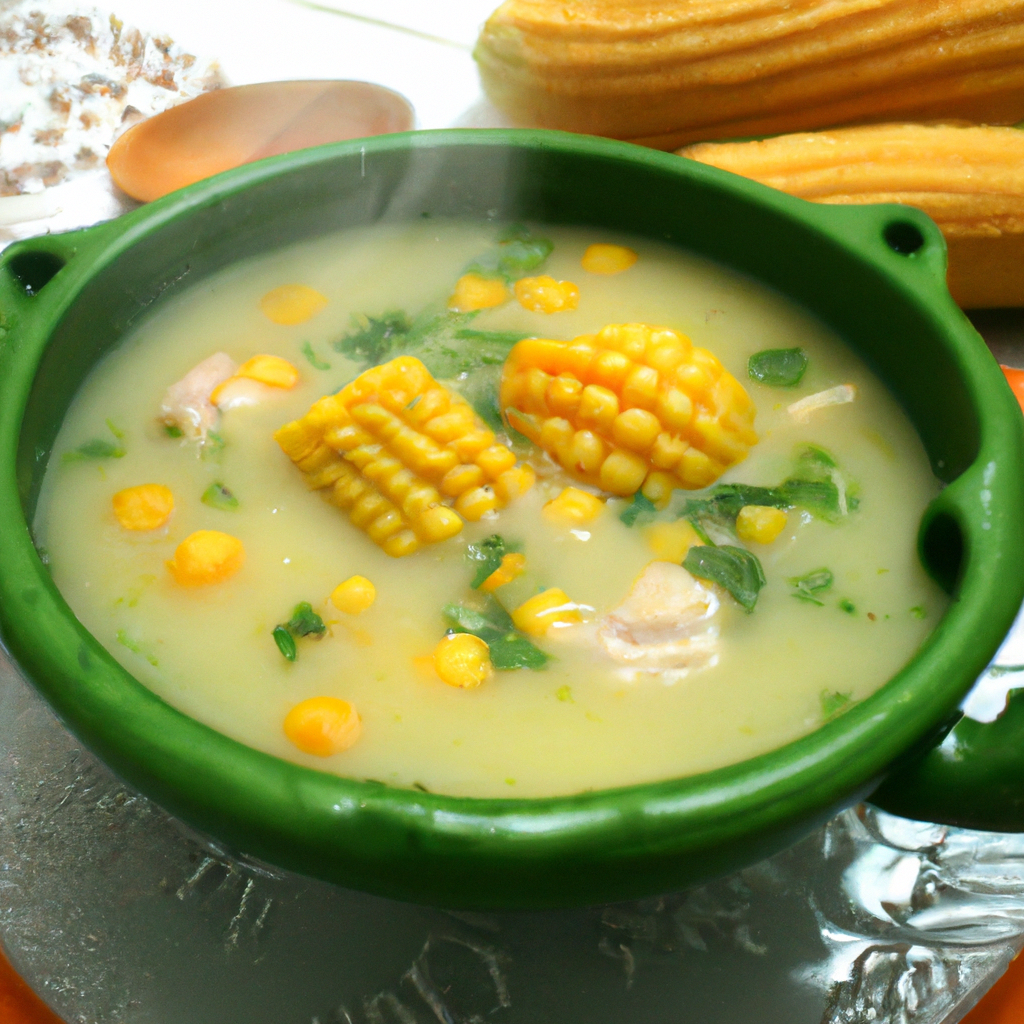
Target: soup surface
844 602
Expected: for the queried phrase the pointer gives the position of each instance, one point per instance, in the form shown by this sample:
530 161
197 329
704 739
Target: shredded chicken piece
186 405
664 625
839 395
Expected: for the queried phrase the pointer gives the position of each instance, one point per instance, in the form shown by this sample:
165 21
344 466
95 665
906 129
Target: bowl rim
307 819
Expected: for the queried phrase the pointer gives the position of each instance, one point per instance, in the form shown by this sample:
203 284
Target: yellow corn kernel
463 660
629 402
658 488
475 292
353 596
272 370
671 541
292 304
538 614
602 258
323 726
205 557
144 507
512 566
406 475
546 295
573 507
760 523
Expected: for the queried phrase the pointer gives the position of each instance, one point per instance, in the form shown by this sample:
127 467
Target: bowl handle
972 775
27 269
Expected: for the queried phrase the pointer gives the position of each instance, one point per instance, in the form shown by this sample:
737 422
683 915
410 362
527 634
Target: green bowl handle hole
903 237
33 271
942 549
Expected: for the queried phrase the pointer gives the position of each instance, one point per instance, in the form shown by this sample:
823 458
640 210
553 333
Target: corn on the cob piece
968 178
665 73
406 458
631 407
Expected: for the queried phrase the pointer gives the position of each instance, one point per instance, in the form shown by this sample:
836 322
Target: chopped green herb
810 584
314 360
285 643
508 338
834 703
509 648
735 569
777 367
918 611
213 446
1003 670
487 555
135 647
414 402
848 606
518 252
115 430
375 338
172 431
306 622
95 449
564 694
218 496
640 510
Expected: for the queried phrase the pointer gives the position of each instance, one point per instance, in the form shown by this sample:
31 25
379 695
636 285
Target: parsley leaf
95 449
811 584
509 648
306 622
834 703
640 510
735 569
777 367
375 338
314 360
218 496
285 643
488 555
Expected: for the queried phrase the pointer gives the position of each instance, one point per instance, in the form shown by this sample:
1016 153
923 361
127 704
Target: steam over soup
489 511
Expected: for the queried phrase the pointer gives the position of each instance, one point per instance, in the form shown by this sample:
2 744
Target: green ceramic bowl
874 274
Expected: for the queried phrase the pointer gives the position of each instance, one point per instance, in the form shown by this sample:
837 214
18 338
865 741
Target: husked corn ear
629 406
665 73
396 450
968 179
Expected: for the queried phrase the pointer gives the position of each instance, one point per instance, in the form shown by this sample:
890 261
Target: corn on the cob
631 407
665 73
406 458
968 179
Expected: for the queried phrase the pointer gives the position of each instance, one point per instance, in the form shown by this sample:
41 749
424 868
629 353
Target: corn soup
492 511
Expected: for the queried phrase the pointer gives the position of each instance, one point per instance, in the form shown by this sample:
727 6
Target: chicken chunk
186 404
665 625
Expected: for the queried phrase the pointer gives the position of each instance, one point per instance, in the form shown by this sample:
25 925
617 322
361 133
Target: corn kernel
292 304
144 507
271 370
369 447
546 295
658 488
512 566
463 660
475 292
541 612
623 473
760 523
205 557
639 400
602 258
671 541
573 507
353 596
323 726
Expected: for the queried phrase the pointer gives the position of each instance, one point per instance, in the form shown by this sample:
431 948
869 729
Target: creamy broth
580 723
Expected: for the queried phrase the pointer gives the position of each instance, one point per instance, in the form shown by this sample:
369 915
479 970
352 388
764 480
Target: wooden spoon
223 129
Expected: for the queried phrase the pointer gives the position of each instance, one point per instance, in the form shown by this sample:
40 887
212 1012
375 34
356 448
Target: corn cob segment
968 178
408 459
632 407
665 73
